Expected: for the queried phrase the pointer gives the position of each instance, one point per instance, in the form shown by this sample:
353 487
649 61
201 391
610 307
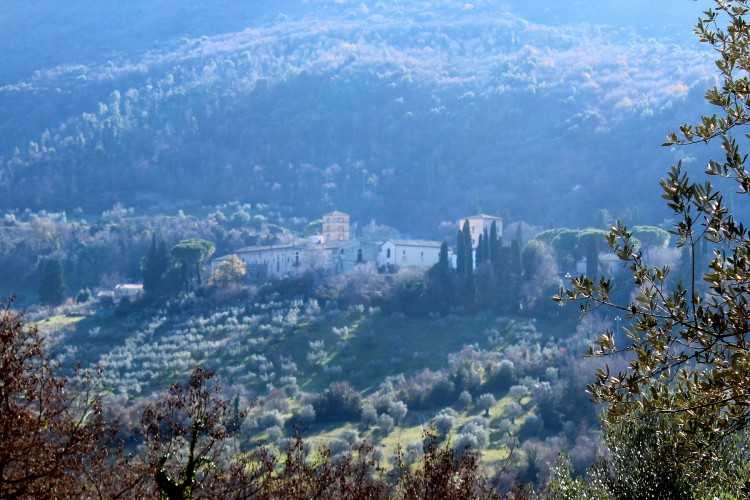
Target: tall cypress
485 246
442 281
515 272
480 251
460 254
469 289
494 246
469 261
154 265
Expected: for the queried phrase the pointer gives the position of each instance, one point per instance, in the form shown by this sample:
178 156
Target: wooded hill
426 109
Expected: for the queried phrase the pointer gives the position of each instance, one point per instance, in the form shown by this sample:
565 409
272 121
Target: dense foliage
377 108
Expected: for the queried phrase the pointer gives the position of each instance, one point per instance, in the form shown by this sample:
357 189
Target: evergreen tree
514 273
469 261
460 255
442 281
190 253
469 289
154 265
480 251
485 246
52 286
494 246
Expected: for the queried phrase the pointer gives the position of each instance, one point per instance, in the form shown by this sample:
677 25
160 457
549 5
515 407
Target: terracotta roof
335 212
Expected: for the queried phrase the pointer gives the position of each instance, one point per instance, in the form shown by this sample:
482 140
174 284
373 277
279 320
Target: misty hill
425 109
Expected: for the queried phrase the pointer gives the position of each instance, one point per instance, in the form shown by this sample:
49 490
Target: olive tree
689 345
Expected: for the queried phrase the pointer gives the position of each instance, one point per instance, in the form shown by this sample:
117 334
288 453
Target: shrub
531 427
339 402
83 296
501 376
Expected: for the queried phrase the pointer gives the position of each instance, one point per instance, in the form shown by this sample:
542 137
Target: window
422 255
388 254
296 258
342 251
359 255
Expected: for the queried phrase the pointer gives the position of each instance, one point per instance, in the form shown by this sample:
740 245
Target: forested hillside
431 109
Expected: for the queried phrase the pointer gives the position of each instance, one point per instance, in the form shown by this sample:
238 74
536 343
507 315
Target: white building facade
397 254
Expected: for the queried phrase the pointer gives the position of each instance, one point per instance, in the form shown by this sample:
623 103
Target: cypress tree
442 281
154 265
460 254
469 290
514 273
480 251
495 245
52 285
486 246
469 261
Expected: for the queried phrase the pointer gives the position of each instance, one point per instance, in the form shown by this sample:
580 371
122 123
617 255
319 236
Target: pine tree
52 286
